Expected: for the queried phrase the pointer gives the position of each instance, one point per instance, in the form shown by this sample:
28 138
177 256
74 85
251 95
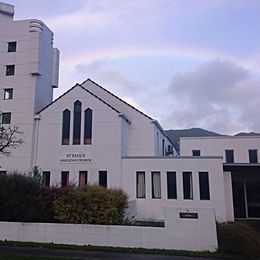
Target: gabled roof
154 121
117 98
77 85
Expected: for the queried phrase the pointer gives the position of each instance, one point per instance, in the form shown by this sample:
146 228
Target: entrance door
253 198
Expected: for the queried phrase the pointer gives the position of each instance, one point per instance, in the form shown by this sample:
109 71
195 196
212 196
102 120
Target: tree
10 138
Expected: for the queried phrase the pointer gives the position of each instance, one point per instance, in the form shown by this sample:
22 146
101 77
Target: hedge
92 204
22 199
19 198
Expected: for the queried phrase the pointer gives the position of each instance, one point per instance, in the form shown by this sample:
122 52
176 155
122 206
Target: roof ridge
117 98
77 84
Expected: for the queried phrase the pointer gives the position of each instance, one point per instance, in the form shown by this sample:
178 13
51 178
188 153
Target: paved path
84 254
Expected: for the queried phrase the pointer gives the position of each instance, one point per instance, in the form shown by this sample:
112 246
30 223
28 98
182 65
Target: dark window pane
3 172
253 156
66 127
187 186
8 93
195 152
171 185
140 184
83 178
6 118
10 70
77 122
204 185
64 179
229 156
11 46
46 177
103 178
88 126
156 185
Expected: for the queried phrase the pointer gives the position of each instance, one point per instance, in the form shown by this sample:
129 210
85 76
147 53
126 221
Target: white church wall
104 152
150 208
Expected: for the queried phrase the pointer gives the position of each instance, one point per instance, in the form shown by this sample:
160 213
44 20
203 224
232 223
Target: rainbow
182 52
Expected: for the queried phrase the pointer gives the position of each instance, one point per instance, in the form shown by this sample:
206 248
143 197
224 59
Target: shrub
239 239
19 198
92 204
47 197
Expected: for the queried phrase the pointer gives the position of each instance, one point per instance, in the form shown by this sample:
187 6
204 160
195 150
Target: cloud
218 95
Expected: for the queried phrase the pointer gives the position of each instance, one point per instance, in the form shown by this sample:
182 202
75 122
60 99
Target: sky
185 63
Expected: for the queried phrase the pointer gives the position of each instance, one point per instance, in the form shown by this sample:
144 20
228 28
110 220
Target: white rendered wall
150 208
216 146
104 152
178 233
141 133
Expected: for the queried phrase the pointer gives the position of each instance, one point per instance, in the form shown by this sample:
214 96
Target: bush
47 197
92 204
19 198
239 239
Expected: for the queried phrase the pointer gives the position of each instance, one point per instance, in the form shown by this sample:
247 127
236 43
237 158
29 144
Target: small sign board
193 215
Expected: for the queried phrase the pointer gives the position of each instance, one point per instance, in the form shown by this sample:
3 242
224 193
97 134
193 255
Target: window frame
63 175
77 123
88 123
4 114
231 151
253 156
9 70
189 187
8 91
204 190
85 173
46 180
101 175
65 138
137 185
171 184
11 46
153 174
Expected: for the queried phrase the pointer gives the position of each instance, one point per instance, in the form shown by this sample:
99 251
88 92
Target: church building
89 135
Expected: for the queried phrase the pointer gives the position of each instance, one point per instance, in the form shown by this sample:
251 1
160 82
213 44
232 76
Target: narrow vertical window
11 47
103 178
77 122
140 185
171 185
46 178
187 186
204 185
229 156
195 152
83 178
64 179
253 156
88 126
156 185
66 127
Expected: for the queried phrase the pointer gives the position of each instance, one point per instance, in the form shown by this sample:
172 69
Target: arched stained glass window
88 126
66 127
77 122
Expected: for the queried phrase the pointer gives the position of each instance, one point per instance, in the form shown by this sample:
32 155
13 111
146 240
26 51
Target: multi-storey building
89 135
28 73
